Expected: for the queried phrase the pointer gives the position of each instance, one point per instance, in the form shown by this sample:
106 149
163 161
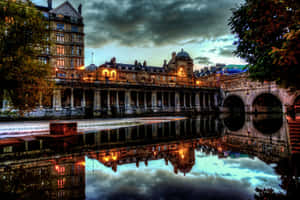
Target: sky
210 178
152 29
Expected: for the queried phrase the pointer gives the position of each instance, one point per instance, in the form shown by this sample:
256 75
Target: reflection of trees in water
235 122
267 123
288 168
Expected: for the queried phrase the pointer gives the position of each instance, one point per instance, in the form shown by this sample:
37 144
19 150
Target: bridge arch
234 104
267 103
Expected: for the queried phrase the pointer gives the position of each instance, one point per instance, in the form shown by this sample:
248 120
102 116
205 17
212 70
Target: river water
202 157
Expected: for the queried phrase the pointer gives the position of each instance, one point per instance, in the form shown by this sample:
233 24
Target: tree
269 39
24 36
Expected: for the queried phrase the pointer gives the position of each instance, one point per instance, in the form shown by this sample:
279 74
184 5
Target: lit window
60 50
113 74
60 62
105 72
180 72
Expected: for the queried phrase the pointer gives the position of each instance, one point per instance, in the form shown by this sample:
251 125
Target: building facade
66 31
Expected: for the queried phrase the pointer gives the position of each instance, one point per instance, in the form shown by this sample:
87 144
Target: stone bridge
239 93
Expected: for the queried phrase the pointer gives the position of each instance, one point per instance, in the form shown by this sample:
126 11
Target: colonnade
131 101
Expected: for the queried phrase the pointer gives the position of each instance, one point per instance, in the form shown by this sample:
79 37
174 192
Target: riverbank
29 128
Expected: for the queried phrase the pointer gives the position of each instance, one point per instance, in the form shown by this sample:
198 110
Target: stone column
97 102
216 100
162 101
83 104
177 102
184 100
145 101
57 99
117 101
128 108
204 100
137 102
108 103
72 98
197 102
169 101
154 101
209 103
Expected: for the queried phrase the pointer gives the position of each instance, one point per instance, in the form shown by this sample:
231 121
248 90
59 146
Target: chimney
79 8
50 4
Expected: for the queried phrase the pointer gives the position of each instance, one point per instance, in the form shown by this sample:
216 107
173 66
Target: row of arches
263 103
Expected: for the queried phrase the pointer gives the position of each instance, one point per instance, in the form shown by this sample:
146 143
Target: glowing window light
180 71
113 73
105 72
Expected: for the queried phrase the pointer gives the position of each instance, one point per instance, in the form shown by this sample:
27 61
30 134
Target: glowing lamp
81 67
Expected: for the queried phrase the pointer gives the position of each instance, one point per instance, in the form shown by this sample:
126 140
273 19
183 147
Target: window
72 50
72 63
60 37
74 28
78 62
60 50
60 27
46 15
78 51
43 60
79 38
60 62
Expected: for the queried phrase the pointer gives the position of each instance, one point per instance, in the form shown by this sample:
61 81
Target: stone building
66 30
118 88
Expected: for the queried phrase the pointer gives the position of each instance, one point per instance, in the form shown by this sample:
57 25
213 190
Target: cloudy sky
210 178
152 29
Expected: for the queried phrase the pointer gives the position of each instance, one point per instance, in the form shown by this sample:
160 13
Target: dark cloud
227 51
203 60
162 184
154 23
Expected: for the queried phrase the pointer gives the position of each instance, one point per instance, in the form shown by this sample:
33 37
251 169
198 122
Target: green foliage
23 39
269 39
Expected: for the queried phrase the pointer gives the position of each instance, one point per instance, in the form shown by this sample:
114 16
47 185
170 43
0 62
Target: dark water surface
205 157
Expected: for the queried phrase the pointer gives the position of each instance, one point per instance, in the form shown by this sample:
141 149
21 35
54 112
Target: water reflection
192 158
268 123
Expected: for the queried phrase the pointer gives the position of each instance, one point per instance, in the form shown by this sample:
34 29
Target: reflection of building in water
180 154
61 178
202 126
